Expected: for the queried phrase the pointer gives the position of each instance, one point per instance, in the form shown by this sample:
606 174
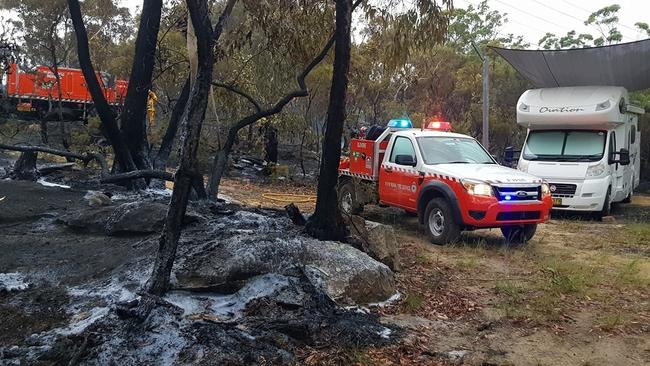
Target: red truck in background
36 94
447 179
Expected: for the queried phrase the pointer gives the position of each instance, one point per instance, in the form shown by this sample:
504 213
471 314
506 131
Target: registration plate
557 202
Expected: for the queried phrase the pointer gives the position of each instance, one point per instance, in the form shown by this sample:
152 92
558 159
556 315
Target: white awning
625 64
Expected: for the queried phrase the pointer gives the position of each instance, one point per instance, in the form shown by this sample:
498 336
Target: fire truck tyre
439 222
348 202
519 234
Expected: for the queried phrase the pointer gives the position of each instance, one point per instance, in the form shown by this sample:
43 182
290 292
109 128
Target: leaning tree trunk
191 131
326 222
25 167
160 162
106 115
133 122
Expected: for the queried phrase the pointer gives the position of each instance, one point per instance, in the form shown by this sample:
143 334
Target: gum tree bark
133 119
192 122
326 223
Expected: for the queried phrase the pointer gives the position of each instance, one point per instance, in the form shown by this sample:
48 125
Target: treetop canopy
624 64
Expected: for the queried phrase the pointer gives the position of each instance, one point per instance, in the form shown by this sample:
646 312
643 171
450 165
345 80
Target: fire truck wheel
519 234
348 202
439 222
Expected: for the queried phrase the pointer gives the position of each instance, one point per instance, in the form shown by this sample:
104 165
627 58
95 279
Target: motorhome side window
565 145
402 146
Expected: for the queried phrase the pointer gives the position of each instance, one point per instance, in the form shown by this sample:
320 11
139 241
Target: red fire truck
449 180
36 94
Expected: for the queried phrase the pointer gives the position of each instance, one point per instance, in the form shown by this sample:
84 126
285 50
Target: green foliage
604 21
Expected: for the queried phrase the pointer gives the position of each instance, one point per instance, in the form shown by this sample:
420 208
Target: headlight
546 190
522 165
477 188
596 170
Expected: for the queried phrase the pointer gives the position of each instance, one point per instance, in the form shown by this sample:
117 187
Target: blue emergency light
400 123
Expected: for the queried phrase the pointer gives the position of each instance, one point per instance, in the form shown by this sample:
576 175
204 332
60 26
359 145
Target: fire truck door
398 182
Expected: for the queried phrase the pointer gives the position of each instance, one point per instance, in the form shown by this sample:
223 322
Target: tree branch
236 90
218 28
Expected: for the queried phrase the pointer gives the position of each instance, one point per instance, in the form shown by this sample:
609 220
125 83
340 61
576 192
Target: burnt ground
68 314
577 294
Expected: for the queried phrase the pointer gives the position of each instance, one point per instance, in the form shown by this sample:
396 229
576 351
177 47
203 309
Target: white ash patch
228 306
247 222
140 195
385 333
83 321
45 183
13 281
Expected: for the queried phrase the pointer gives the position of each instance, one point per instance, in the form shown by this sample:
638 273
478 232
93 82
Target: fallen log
85 158
138 174
45 170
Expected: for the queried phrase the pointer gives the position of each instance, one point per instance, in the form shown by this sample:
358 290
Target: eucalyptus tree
129 140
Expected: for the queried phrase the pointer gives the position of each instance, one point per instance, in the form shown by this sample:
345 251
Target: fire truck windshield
452 150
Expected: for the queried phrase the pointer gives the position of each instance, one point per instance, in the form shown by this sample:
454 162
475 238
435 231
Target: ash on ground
248 287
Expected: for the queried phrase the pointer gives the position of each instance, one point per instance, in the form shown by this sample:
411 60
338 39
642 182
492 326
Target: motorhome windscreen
565 145
452 150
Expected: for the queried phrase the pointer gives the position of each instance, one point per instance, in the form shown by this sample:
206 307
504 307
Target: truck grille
514 194
563 190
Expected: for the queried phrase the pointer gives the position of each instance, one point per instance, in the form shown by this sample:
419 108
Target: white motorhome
585 142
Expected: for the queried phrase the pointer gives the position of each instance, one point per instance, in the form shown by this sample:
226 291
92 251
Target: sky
533 18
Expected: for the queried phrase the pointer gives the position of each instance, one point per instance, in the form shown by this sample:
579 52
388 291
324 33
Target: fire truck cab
448 179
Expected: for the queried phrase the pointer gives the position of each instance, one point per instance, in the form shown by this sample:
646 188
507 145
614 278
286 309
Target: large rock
251 244
377 240
139 217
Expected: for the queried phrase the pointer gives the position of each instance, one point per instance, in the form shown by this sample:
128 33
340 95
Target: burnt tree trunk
133 119
106 115
43 124
160 162
25 167
270 143
190 132
326 223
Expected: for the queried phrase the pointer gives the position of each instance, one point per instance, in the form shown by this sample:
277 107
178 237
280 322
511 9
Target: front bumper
486 212
589 195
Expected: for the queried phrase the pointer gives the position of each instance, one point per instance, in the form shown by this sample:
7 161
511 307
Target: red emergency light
437 125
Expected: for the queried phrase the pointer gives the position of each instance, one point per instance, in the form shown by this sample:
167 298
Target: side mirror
509 155
623 157
405 160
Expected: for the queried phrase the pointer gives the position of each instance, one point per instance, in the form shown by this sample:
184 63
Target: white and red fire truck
448 179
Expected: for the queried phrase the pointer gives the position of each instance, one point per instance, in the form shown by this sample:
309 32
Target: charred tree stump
295 215
25 167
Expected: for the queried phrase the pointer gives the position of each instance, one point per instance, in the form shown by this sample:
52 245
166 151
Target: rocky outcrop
140 217
261 245
377 240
